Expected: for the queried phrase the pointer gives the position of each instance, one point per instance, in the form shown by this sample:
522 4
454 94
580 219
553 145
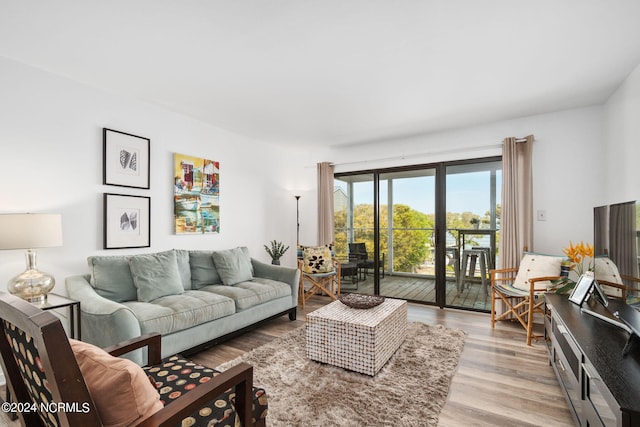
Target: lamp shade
27 231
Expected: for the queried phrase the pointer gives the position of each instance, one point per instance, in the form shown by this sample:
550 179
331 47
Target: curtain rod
430 153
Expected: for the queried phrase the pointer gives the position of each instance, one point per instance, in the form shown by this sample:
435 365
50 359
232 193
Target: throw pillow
537 265
156 275
111 277
120 389
606 270
317 259
203 270
233 265
182 256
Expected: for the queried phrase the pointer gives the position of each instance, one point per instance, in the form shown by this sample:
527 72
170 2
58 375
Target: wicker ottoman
356 339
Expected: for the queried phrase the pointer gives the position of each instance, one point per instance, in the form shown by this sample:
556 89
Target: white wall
622 157
567 165
51 161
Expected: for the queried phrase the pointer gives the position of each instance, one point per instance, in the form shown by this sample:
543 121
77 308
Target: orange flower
577 254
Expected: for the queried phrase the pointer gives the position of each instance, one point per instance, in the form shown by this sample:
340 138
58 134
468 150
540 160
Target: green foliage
276 250
413 232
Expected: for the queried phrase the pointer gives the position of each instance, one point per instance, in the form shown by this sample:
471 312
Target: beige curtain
325 203
516 226
622 238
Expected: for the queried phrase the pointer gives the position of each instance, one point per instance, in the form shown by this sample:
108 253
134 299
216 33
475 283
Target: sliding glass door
407 225
406 232
472 230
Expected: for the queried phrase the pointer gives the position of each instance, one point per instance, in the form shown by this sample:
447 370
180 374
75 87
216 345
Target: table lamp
28 231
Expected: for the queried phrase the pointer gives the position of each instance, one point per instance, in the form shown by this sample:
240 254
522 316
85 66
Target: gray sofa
193 298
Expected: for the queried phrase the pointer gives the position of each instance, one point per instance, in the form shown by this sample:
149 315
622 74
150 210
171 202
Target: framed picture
196 195
582 288
125 159
127 221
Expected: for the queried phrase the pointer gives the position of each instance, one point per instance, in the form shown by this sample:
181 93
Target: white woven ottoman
361 340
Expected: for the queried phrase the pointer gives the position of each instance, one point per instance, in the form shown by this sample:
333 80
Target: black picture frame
125 159
582 288
127 221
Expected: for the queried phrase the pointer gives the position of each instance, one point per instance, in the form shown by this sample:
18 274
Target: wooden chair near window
43 368
521 290
321 270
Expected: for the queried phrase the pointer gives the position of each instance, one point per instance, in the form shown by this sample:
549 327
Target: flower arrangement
578 255
276 250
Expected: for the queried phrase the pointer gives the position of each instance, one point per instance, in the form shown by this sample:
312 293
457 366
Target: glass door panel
472 231
407 244
354 230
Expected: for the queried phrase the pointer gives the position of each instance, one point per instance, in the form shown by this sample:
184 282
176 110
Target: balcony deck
422 289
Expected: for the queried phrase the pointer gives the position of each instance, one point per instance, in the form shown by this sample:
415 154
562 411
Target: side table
55 301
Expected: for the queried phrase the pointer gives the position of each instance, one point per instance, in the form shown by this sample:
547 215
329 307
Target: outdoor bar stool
453 257
470 258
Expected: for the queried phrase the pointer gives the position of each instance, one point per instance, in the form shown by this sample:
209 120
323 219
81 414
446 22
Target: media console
602 386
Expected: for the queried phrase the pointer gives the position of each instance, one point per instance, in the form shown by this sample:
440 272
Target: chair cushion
111 277
607 270
177 376
537 265
120 389
317 259
156 275
233 265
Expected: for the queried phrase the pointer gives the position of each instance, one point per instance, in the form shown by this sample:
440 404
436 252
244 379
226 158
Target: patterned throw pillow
317 259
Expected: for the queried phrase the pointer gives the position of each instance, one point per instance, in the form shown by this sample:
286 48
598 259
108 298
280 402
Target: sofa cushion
233 265
177 312
251 293
203 270
156 275
184 268
120 389
537 265
111 277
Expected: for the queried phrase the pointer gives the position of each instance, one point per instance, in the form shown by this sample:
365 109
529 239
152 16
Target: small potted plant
276 251
475 222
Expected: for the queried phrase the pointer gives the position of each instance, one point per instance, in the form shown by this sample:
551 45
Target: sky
466 192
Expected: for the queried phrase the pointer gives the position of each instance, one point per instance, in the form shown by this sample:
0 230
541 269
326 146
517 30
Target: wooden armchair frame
67 384
325 283
521 305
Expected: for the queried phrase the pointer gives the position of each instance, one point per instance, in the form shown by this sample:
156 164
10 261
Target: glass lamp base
32 285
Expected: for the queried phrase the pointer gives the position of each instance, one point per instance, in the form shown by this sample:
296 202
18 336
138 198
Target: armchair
521 290
45 368
321 270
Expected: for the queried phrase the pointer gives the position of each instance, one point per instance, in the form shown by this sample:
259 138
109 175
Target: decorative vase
275 261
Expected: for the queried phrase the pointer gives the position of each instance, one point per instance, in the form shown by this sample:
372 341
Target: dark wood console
601 385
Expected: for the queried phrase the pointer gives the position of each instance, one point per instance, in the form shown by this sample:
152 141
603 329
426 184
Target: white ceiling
335 71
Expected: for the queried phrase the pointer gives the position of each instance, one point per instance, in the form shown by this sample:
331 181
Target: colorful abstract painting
196 195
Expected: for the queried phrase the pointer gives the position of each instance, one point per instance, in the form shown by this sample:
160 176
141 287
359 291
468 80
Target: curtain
516 226
622 238
325 203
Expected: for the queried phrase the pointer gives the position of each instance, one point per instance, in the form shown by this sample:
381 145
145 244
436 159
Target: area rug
409 390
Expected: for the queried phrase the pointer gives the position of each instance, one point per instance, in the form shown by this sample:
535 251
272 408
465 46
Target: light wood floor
500 381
